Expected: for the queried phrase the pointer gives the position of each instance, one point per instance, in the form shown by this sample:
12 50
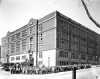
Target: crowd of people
30 69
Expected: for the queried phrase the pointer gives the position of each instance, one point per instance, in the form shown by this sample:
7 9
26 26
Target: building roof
81 26
54 14
31 22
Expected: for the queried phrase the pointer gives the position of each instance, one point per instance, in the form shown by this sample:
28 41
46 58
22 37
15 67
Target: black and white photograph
49 39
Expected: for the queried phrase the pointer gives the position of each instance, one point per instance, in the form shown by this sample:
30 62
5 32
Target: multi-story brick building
60 41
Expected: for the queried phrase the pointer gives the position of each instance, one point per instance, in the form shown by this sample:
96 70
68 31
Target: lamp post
7 58
48 62
79 58
74 73
96 60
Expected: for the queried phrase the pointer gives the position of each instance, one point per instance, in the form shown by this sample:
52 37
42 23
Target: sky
17 13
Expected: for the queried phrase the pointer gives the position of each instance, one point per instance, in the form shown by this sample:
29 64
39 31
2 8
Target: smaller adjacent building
4 50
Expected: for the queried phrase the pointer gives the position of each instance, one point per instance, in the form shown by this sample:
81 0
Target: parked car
1 67
44 70
6 66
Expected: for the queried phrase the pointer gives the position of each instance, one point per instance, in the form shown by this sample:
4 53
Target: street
92 73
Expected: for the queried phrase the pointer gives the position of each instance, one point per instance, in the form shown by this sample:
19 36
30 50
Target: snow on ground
4 75
92 73
81 74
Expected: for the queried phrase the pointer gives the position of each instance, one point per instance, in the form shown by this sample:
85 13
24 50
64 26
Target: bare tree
89 15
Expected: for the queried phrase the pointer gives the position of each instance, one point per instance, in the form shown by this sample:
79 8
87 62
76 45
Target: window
63 54
17 46
24 44
89 57
17 35
24 57
40 28
8 39
63 63
31 43
18 58
13 38
12 47
40 54
73 55
32 29
40 62
83 56
12 58
24 33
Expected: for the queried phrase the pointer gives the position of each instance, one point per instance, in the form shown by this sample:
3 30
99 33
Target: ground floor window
63 63
40 62
24 57
63 54
12 58
17 57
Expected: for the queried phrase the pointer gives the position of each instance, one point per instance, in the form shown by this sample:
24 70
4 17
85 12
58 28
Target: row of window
24 57
68 31
75 55
18 58
73 28
63 63
63 54
66 62
32 30
24 33
78 39
17 46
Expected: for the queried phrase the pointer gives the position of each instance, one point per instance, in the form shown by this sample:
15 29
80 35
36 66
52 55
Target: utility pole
7 56
74 73
37 43
48 62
